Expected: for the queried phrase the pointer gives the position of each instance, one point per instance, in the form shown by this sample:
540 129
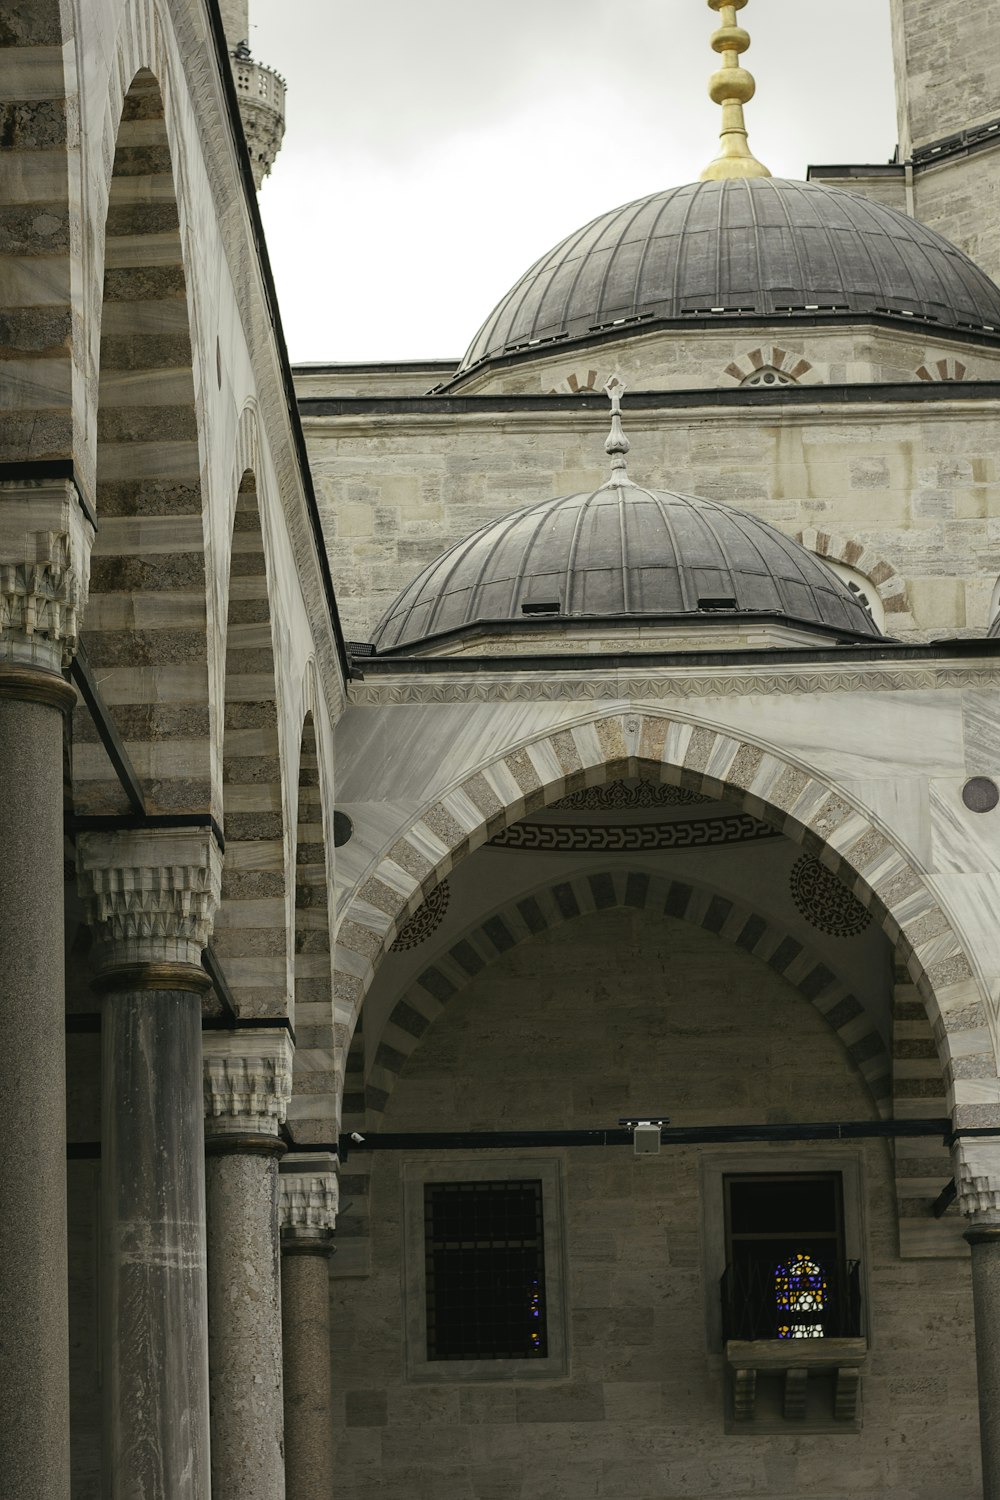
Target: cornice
671 682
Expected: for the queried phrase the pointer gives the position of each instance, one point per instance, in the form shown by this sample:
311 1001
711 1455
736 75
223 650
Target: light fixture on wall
646 1134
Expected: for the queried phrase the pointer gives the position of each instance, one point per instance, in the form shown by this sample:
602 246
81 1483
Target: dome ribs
621 551
686 252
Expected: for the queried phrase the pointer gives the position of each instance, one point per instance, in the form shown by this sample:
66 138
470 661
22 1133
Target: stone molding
151 894
308 1194
977 1178
248 1081
45 546
671 682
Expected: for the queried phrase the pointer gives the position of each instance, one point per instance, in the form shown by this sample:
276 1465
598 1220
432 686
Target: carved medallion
824 901
425 920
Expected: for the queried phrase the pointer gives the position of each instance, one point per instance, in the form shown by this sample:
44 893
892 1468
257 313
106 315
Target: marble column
308 1207
45 546
153 895
248 1082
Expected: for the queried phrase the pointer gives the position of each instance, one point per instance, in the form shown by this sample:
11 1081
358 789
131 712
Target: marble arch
251 923
810 811
312 1110
148 623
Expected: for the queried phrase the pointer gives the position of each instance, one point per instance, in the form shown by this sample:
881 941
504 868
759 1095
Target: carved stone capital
248 1081
308 1197
152 894
45 545
977 1178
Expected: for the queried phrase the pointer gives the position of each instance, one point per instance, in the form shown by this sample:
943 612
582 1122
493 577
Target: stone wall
945 78
721 358
961 200
620 1014
916 485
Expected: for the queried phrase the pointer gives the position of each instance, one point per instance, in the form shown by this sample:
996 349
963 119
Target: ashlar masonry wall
615 1014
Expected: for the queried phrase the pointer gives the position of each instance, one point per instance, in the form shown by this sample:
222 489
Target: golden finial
617 444
732 87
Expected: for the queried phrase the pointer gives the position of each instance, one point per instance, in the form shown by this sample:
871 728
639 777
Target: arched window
800 1295
862 588
769 375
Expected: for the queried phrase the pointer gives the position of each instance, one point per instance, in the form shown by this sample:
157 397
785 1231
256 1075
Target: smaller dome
621 552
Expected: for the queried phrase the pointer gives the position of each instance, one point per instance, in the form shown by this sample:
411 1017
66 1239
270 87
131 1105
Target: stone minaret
261 92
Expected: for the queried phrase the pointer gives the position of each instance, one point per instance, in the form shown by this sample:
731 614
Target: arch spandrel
809 809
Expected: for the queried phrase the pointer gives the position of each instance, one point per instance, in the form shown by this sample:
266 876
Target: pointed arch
641 742
313 1111
450 968
251 923
146 626
45 360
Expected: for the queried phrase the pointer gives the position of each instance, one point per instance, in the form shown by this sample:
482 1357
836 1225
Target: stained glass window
800 1293
786 1273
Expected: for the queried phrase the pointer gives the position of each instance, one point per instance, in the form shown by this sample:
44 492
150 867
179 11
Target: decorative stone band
977 1177
45 545
152 895
248 1083
308 1199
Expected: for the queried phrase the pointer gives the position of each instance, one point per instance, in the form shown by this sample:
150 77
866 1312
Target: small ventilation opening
540 607
716 603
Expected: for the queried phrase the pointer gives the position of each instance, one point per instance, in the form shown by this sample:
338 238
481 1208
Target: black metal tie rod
674 1135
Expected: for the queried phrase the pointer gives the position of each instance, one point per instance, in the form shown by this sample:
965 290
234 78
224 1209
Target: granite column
153 895
45 543
977 1175
308 1200
248 1082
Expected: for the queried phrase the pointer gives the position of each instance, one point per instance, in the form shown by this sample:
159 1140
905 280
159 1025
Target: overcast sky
435 148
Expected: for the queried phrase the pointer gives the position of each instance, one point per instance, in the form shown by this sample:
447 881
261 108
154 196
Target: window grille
485 1266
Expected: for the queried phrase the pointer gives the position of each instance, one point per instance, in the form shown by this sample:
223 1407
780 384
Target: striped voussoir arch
548 907
312 1111
922 1165
43 361
523 919
146 632
887 582
809 811
251 923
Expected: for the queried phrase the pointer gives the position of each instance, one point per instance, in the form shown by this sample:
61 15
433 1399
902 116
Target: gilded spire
732 87
617 444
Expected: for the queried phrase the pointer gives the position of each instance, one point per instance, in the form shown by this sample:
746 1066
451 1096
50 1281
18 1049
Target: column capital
308 1199
977 1178
248 1083
152 895
45 544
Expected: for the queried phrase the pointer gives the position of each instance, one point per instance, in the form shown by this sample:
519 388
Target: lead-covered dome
738 247
621 552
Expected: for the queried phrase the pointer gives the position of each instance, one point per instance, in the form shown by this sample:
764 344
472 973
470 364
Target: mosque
501 979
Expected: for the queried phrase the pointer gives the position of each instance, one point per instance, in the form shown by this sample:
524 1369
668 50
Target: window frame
421 1173
715 1169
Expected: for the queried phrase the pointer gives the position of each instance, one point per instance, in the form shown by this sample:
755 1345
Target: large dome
621 552
739 247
